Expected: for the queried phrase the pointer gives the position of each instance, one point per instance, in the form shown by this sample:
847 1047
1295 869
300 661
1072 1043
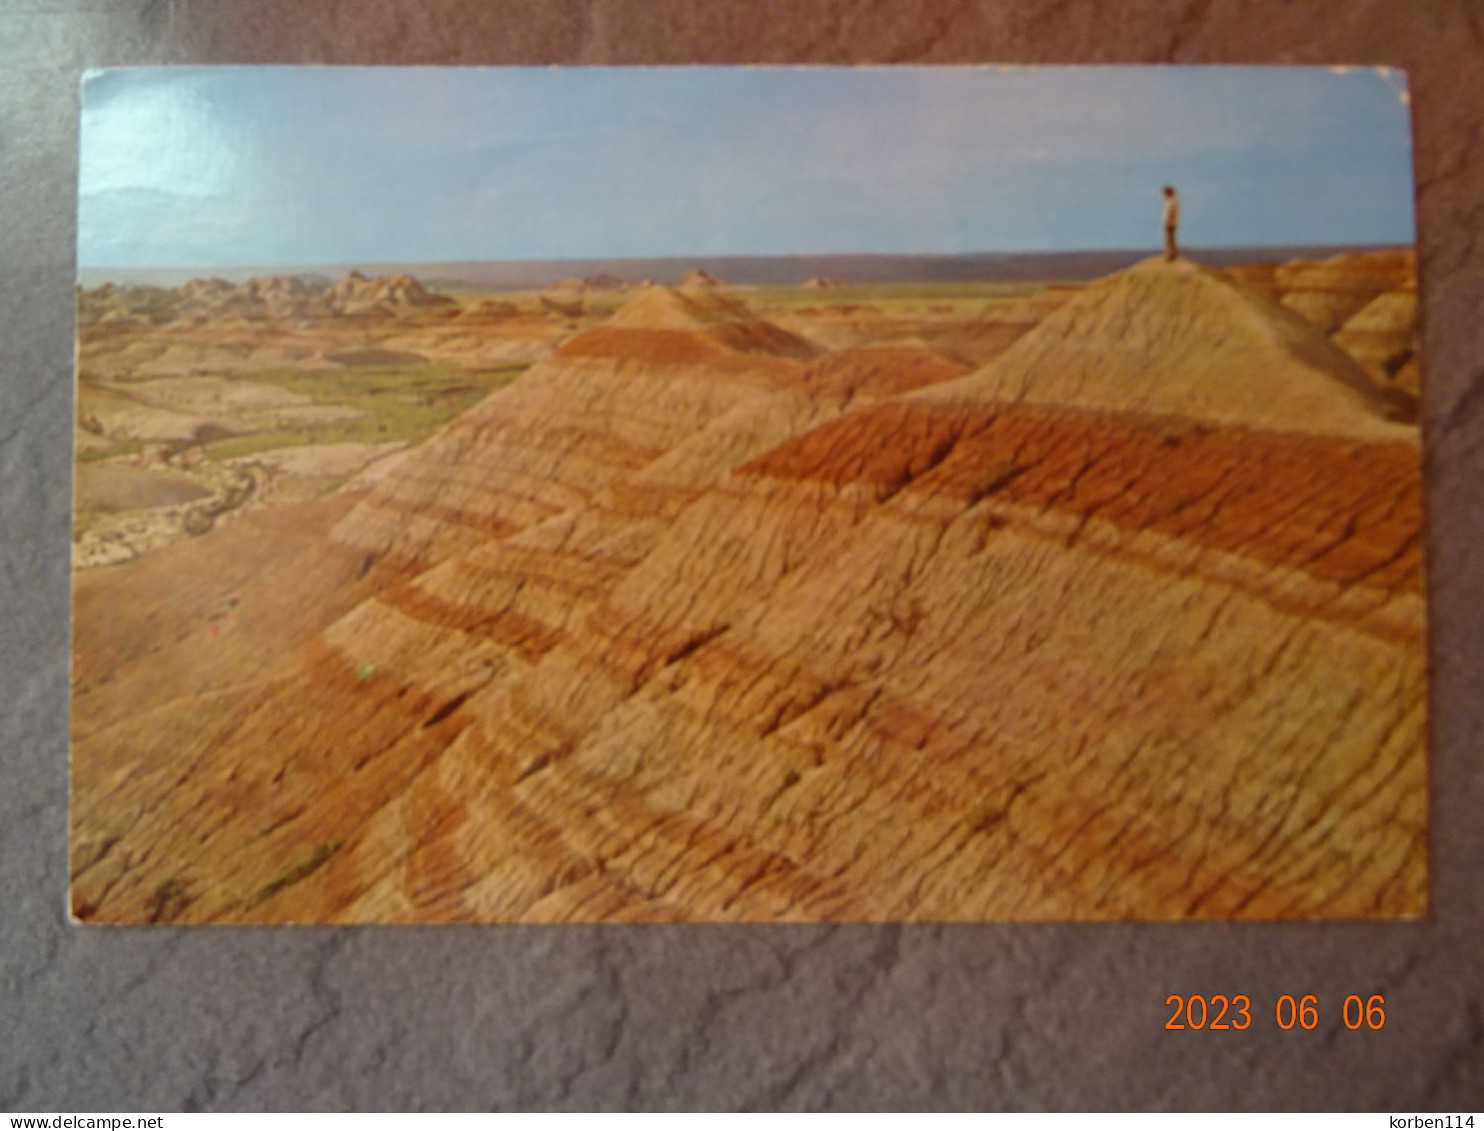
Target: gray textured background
992 1016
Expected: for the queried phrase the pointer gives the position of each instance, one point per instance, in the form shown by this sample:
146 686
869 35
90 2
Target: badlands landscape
620 601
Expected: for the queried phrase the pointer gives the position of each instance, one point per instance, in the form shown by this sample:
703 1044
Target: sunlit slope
1178 338
1126 623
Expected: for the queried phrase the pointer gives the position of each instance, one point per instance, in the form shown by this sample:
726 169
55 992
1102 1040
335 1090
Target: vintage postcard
768 494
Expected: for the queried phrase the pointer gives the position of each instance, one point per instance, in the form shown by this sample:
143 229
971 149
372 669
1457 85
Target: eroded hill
701 619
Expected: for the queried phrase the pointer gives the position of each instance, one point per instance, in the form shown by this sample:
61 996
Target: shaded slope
1327 292
1365 302
1381 336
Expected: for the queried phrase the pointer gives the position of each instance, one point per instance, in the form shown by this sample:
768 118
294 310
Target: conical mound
1175 338
712 315
698 278
664 308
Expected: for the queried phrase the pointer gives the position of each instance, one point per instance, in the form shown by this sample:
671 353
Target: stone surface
675 628
984 1016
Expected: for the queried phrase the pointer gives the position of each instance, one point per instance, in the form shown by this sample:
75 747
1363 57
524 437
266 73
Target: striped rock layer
691 624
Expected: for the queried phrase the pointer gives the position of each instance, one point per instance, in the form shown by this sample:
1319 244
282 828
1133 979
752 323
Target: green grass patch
251 443
117 448
399 402
306 865
221 609
375 357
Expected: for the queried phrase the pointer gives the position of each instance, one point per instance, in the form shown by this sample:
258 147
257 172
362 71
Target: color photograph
702 494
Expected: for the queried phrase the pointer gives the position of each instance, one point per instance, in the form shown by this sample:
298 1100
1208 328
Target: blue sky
225 166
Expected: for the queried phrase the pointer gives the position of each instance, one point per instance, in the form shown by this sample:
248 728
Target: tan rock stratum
699 620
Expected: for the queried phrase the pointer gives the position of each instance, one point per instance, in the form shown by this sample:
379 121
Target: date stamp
1234 1011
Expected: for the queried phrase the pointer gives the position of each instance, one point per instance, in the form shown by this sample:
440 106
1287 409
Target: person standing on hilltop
1172 221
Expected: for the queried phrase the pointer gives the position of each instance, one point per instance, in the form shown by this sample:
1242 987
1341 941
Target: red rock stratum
693 623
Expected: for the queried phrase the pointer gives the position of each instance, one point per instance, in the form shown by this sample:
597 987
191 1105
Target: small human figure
1172 221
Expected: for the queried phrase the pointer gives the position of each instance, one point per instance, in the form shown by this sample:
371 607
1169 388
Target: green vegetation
300 868
374 357
399 402
117 448
221 609
251 443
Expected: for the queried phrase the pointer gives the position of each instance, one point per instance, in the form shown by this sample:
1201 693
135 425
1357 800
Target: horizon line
355 264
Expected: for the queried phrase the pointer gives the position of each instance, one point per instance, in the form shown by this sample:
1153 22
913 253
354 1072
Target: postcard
942 494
